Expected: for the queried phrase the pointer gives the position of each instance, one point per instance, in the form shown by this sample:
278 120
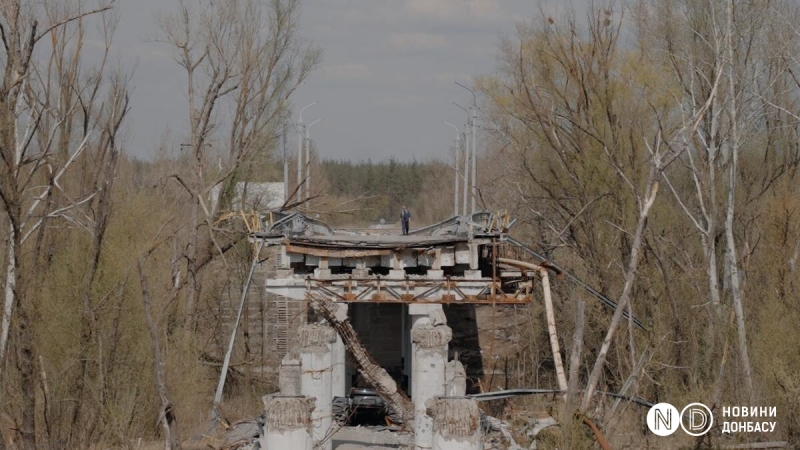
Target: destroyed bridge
372 312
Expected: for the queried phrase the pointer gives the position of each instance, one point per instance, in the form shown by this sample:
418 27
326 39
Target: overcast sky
385 84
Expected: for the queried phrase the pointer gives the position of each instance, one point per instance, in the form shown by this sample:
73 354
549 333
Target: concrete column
315 377
456 424
473 256
398 268
287 422
338 356
472 275
361 270
323 271
418 316
289 374
455 379
429 359
435 274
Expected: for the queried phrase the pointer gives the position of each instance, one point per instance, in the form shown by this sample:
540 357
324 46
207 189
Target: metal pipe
551 319
560 270
455 169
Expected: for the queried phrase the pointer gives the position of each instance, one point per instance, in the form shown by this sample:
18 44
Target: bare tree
27 151
592 150
166 415
724 61
231 58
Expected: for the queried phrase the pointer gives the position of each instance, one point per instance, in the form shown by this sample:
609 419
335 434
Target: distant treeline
384 187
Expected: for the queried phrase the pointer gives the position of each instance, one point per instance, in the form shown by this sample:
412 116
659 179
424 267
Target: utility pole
466 157
308 160
474 144
464 210
285 158
301 129
455 169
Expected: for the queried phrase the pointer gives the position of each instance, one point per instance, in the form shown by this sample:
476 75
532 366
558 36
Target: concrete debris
316 335
437 317
241 435
539 425
455 378
289 374
456 424
496 424
431 336
287 422
371 438
287 412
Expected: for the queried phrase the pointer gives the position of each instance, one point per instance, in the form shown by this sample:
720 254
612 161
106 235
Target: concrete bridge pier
338 357
287 422
456 424
315 378
429 358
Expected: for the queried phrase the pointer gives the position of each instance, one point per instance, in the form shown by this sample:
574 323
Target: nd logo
663 419
695 419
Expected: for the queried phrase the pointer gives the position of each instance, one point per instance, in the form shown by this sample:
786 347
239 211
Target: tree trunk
191 271
624 298
733 263
167 417
573 391
8 302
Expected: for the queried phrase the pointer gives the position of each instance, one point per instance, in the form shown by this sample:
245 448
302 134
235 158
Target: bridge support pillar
315 378
456 424
338 356
429 343
287 422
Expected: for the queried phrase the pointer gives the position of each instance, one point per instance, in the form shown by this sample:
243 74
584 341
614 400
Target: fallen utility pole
224 373
373 373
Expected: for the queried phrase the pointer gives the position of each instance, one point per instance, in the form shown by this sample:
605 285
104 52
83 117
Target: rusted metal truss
446 291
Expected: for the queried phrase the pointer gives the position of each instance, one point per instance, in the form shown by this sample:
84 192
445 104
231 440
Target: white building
252 196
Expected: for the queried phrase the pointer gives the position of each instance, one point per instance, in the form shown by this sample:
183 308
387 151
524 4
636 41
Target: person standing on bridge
405 217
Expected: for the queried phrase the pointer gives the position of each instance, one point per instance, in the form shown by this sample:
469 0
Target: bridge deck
378 240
